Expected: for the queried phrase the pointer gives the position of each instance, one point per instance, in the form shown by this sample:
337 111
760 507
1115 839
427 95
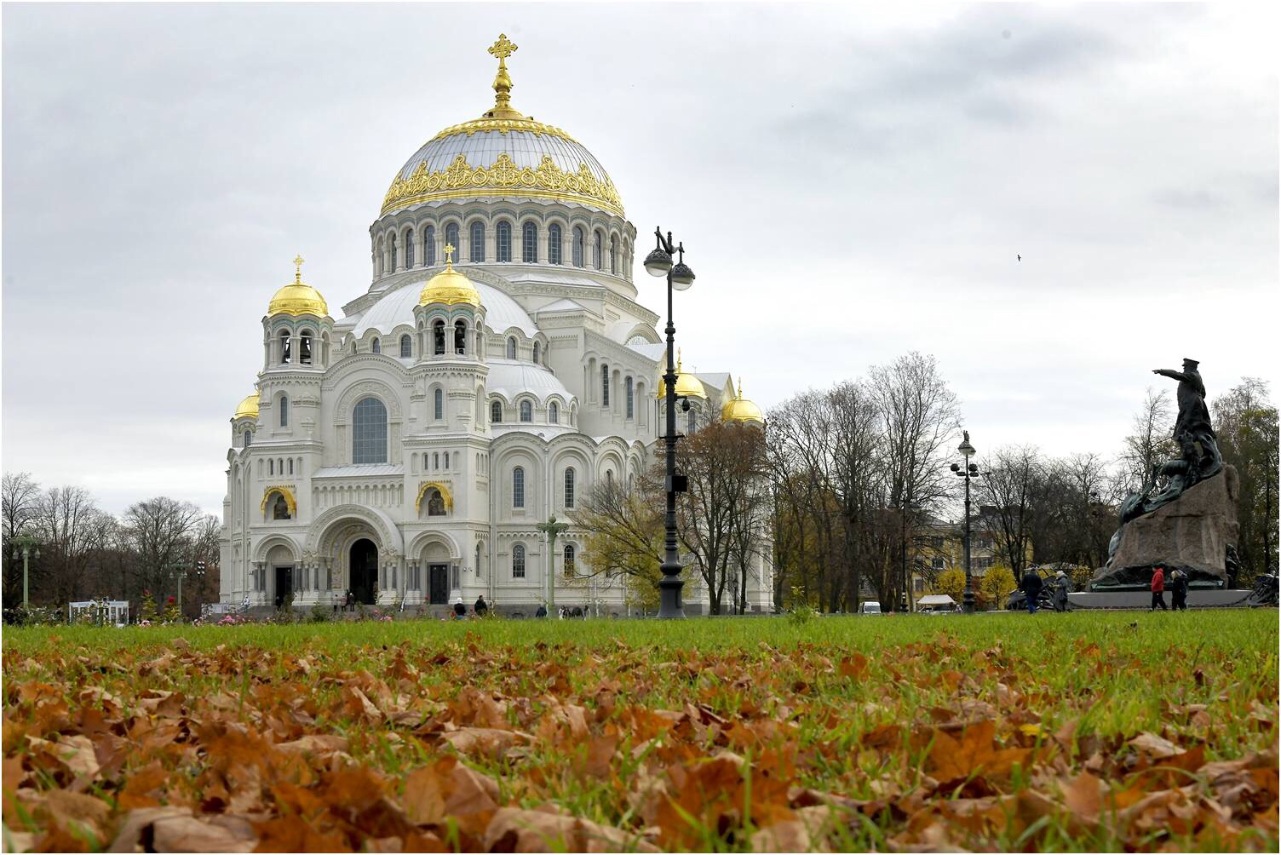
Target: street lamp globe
658 262
682 276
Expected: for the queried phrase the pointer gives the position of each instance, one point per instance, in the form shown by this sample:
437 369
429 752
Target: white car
870 608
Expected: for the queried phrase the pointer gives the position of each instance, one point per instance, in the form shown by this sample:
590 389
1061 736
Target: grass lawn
1085 731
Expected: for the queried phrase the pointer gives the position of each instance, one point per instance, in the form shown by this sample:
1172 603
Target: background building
497 367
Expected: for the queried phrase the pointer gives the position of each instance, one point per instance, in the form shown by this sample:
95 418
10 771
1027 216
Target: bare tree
1011 484
159 531
1151 442
1246 423
65 518
624 534
18 497
857 432
919 416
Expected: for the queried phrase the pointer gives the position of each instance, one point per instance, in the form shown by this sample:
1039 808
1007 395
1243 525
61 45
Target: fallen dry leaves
463 745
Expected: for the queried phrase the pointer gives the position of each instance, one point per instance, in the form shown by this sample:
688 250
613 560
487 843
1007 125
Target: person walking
1031 588
1178 589
1061 586
1158 588
481 608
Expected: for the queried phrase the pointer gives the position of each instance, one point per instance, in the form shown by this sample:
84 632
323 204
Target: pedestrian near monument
481 608
1031 587
1158 588
1178 589
1061 586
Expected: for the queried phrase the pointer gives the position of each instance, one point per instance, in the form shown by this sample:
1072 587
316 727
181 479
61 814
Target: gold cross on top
503 48
449 253
298 268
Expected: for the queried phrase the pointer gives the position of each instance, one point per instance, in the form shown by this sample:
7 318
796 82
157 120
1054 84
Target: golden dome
298 298
503 153
687 385
449 286
248 408
740 409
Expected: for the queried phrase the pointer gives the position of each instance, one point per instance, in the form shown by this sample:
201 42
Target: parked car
870 608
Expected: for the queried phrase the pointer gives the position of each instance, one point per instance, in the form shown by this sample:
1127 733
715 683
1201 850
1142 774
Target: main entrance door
284 584
364 571
438 584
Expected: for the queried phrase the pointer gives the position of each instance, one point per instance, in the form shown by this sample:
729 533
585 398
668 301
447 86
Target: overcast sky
851 183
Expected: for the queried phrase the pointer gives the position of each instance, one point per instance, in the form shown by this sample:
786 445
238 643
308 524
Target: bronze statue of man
1192 429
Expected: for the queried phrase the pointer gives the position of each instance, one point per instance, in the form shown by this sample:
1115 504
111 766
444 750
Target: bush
320 613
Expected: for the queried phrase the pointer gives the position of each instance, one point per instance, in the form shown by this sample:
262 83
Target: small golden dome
687 385
248 408
740 409
298 298
449 286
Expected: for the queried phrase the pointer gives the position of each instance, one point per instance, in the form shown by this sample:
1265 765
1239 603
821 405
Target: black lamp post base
967 600
669 604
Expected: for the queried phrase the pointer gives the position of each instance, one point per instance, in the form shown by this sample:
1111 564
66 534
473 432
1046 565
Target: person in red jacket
1158 588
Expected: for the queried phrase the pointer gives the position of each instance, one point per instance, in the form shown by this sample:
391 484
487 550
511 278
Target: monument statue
1170 523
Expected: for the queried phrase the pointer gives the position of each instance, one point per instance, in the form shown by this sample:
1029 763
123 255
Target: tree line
84 552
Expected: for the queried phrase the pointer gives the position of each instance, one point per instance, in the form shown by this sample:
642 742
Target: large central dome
504 153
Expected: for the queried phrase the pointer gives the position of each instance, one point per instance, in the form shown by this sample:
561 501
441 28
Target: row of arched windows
629 391
604 252
279 466
524 412
285 352
570 483
569 554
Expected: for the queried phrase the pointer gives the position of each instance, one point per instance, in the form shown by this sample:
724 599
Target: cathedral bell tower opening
364 571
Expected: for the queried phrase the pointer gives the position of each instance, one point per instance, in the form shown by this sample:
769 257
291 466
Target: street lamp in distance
967 470
26 547
679 277
551 528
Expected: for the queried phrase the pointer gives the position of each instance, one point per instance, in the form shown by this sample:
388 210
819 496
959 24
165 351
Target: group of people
1032 584
480 610
1178 584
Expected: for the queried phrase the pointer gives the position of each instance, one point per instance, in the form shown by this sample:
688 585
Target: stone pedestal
1192 532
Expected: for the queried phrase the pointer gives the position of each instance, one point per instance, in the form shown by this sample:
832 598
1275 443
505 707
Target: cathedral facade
497 368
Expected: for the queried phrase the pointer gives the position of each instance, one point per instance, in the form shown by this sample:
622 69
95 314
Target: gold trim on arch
444 495
290 502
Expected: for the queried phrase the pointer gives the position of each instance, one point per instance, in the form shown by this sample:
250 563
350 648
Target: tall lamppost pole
967 471
551 528
679 277
28 547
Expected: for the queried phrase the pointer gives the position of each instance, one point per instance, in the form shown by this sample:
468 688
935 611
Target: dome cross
449 255
298 259
502 49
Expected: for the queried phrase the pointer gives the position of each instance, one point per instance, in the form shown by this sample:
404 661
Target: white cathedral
497 368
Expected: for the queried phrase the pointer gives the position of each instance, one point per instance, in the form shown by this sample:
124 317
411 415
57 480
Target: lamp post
551 528
967 470
679 277
179 571
28 547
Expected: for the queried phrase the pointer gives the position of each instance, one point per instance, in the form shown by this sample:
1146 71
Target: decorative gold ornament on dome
449 286
462 180
298 298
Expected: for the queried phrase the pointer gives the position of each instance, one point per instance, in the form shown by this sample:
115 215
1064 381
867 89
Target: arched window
553 414
570 568
518 487
597 246
378 258
537 351
291 465
286 351
451 238
691 423
304 347
247 438
613 254
529 243
369 431
526 411
518 561
478 241
609 478
511 347
446 461
460 337
438 337
438 404
409 247
631 399
429 246
391 243
406 346
271 466
376 346
496 411
284 411
478 558
570 475
578 246
553 244
279 508
504 239
604 385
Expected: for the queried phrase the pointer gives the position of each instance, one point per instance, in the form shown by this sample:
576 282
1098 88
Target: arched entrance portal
364 571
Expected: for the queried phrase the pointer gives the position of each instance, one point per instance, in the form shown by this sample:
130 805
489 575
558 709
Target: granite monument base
1198 598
